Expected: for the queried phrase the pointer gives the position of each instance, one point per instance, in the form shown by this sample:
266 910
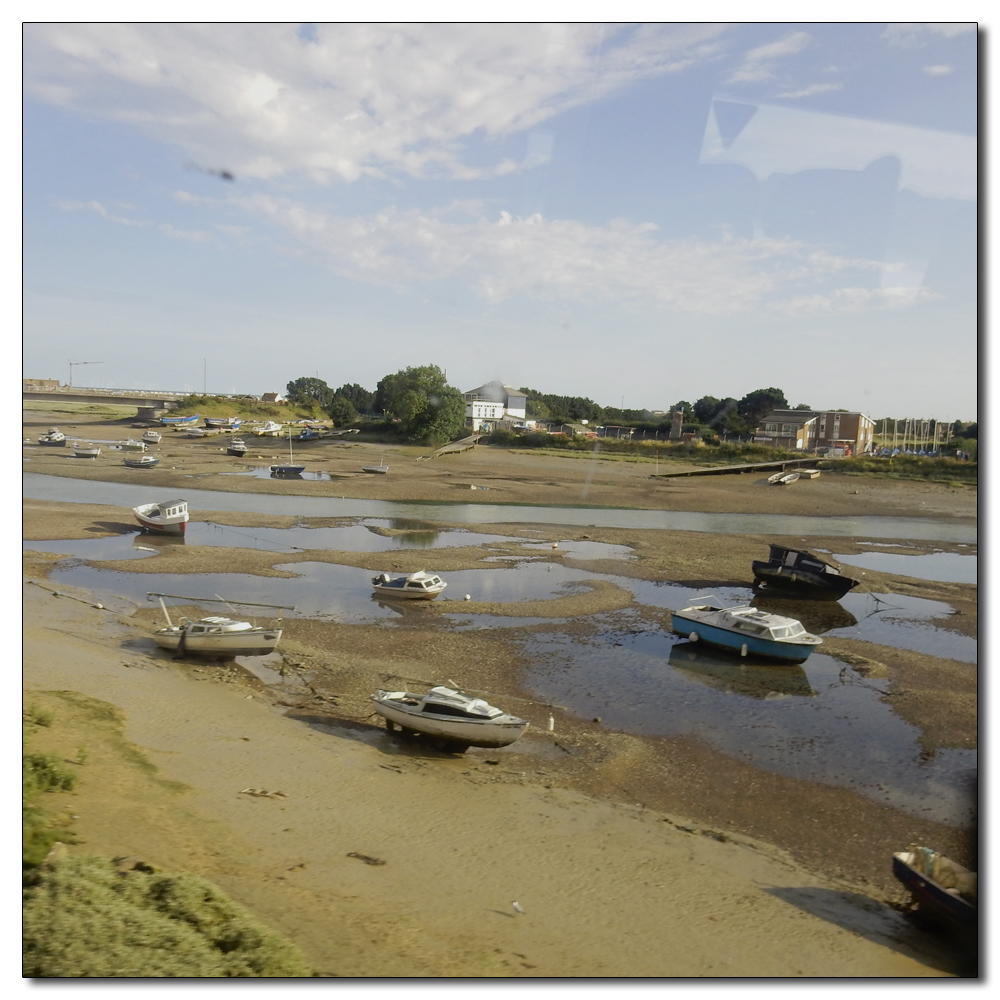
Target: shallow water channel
820 721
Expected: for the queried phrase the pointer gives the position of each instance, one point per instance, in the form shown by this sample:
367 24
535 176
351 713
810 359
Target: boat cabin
216 626
171 508
760 623
799 559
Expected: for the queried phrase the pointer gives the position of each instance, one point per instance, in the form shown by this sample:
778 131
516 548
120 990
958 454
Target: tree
756 405
803 406
427 408
361 398
341 411
307 391
683 406
547 406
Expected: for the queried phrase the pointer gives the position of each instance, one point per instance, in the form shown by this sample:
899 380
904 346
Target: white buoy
552 723
517 907
468 597
743 650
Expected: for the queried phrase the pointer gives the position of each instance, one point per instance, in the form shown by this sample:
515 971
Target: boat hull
138 463
288 470
379 470
736 642
409 595
193 419
934 901
160 527
822 586
86 452
52 444
251 643
472 733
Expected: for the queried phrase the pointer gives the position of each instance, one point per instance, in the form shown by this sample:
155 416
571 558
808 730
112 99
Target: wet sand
613 844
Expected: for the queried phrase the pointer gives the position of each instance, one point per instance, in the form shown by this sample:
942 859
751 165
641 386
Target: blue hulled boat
745 630
193 419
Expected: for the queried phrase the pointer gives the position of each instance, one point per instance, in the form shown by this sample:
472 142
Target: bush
40 773
84 919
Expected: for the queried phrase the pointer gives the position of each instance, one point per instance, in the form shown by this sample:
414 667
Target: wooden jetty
728 470
453 448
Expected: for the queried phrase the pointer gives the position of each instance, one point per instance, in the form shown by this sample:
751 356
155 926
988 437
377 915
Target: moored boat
799 572
132 445
53 436
86 449
745 630
237 447
192 419
380 469
791 477
141 461
942 890
414 585
224 423
446 714
776 477
215 635
168 517
289 469
268 429
152 437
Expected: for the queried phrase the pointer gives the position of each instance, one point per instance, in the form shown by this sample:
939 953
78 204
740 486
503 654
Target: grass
115 410
83 918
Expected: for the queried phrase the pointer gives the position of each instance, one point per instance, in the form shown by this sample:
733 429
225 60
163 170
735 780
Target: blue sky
634 213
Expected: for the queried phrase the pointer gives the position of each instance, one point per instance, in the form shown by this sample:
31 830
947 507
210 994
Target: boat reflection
146 541
816 616
735 675
407 609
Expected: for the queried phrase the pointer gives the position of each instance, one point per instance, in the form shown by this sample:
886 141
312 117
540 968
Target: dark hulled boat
800 573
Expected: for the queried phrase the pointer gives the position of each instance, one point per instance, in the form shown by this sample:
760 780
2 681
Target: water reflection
945 567
736 676
844 734
817 616
41 487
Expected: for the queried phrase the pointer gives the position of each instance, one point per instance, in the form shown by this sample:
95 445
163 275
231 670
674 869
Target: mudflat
629 856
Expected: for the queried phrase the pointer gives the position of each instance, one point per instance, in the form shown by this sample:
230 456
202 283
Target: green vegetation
940 469
422 403
41 773
117 411
246 409
83 918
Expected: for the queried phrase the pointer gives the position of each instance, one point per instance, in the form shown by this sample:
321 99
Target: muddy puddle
820 721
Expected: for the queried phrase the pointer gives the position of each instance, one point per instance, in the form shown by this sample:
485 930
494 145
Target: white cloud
101 209
911 35
758 63
503 256
350 99
814 88
940 70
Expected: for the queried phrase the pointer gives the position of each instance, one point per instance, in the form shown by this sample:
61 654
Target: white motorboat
86 449
168 517
414 585
224 423
141 461
237 447
268 429
152 437
448 715
196 432
132 445
745 630
53 436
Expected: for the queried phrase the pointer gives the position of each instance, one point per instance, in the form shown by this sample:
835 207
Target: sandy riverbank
612 844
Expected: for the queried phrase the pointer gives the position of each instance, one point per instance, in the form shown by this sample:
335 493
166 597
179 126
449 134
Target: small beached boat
152 437
290 469
809 473
791 477
237 447
381 468
192 419
800 573
53 436
141 461
168 517
458 719
942 890
223 423
268 429
745 630
86 449
132 445
414 585
776 477
215 635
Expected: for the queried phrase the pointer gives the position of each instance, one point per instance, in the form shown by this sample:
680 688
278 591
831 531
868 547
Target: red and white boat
169 517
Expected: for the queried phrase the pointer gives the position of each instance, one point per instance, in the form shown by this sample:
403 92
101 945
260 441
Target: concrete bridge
152 404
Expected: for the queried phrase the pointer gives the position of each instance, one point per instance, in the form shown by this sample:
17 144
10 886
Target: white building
493 404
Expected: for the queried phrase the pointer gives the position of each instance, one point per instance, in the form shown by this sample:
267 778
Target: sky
636 213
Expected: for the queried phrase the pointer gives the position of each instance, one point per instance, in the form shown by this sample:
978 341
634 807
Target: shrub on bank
940 468
85 919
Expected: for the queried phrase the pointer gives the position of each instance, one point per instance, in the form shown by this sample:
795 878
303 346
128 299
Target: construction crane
73 364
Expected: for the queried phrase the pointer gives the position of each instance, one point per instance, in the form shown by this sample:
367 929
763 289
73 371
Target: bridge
151 404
